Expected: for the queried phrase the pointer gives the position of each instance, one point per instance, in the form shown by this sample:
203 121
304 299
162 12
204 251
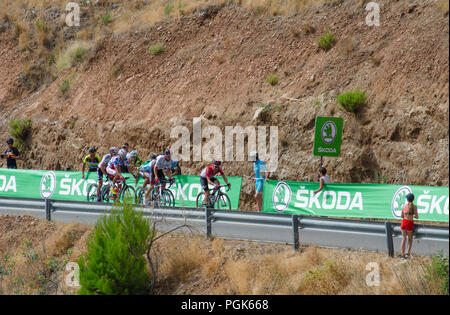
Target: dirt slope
214 66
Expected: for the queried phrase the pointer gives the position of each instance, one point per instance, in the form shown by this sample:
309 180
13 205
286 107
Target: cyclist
134 163
124 168
91 160
114 168
175 168
162 165
149 175
113 151
207 177
144 171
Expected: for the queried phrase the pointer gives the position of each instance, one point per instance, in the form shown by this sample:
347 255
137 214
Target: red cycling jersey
209 171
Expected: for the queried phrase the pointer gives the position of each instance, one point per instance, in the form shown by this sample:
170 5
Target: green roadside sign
328 136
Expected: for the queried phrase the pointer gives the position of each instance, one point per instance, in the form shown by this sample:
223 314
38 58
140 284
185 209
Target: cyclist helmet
122 153
153 156
410 197
133 153
114 150
9 141
217 163
167 152
92 150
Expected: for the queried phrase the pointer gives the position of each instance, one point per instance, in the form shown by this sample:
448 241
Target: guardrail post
48 209
295 231
389 238
208 216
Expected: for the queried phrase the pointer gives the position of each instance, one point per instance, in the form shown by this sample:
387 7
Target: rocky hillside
214 64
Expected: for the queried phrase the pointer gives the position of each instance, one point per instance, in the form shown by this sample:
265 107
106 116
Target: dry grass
347 46
443 6
34 255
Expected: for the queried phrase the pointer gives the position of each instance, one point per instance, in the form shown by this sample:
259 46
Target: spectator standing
11 154
91 160
409 212
323 179
260 170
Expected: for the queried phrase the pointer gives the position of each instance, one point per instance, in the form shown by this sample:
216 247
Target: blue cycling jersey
259 166
116 161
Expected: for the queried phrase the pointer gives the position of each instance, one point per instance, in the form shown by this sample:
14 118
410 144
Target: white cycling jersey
162 163
105 160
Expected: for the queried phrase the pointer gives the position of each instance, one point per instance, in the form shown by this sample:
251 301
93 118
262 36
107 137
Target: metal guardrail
298 226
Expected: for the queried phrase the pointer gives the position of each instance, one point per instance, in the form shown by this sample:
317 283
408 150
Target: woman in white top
323 179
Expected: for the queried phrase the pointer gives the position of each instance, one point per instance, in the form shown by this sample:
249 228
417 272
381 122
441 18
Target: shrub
78 54
350 101
437 271
326 41
156 49
65 86
168 8
379 178
75 53
20 130
114 262
272 79
106 18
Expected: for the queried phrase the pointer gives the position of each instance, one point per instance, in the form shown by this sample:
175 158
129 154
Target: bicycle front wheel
168 200
128 193
223 202
92 193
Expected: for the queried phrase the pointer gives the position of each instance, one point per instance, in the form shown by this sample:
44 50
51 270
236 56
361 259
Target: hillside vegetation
135 69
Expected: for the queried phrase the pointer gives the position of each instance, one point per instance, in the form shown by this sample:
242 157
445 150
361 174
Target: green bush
114 262
65 86
168 8
106 18
350 101
20 130
156 49
326 41
272 79
78 54
438 271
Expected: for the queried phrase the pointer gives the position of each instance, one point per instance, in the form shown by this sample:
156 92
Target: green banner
328 136
354 200
61 185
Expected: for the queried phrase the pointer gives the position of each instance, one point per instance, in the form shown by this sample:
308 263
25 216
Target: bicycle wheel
199 202
92 193
128 193
168 200
140 195
223 202
106 193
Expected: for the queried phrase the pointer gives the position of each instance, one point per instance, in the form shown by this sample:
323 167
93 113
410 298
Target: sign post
328 137
48 185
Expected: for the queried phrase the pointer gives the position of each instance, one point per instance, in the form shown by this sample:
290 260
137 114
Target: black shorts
160 175
204 182
99 174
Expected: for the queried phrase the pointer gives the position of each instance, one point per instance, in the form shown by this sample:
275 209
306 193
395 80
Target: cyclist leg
100 182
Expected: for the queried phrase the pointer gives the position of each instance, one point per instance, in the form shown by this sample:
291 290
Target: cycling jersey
116 162
209 172
105 160
162 163
148 167
10 154
92 162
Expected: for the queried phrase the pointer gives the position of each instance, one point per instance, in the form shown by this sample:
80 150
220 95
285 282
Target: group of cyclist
154 170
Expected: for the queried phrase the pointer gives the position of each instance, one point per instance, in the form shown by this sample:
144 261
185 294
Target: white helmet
114 150
122 153
132 154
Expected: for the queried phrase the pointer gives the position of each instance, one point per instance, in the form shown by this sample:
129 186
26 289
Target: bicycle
123 191
160 197
217 199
